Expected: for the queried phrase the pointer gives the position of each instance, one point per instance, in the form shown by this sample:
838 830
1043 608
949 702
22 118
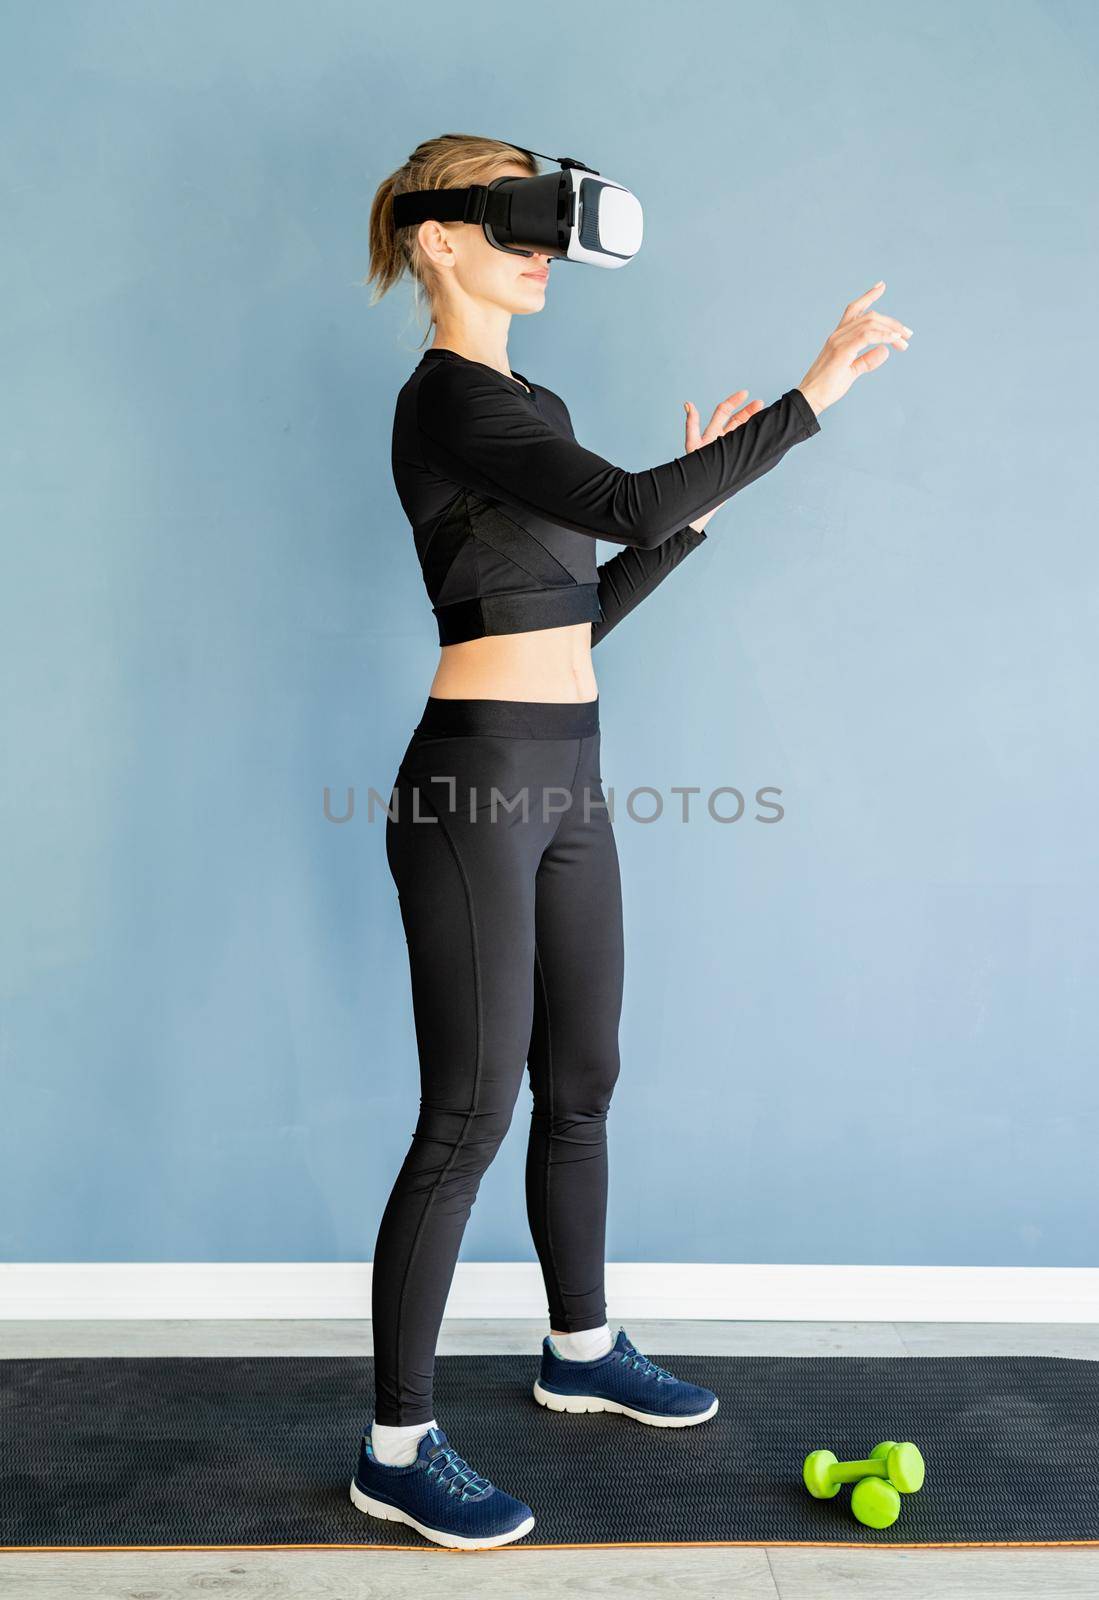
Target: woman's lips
539 277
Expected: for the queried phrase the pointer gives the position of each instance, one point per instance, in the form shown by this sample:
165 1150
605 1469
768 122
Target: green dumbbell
891 1470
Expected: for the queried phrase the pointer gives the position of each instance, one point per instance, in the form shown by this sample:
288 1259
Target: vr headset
574 214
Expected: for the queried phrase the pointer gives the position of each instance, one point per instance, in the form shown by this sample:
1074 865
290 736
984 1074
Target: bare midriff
551 664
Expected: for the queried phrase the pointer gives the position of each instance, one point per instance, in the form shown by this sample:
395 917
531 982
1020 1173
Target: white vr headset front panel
606 221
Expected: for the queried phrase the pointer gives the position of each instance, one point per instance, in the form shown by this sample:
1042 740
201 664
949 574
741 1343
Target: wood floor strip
638 1544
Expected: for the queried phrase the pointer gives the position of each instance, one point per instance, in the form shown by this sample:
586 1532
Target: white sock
585 1345
397 1447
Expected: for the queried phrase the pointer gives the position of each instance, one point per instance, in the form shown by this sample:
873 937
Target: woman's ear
435 244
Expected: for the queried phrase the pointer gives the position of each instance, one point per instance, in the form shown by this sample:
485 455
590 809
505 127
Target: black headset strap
475 204
450 205
561 161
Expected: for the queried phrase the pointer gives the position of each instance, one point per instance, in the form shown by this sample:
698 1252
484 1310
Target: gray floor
689 1574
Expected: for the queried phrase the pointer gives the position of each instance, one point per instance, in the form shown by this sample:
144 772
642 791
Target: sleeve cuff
805 411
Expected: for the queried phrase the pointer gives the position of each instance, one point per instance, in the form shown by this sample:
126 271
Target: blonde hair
452 161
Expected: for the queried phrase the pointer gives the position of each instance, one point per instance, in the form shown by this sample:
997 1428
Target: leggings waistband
522 719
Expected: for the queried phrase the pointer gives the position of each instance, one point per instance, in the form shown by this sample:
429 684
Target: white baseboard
193 1290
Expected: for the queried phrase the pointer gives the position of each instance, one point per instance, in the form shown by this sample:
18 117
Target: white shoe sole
591 1402
453 1541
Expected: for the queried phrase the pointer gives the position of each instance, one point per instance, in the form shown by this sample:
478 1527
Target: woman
499 840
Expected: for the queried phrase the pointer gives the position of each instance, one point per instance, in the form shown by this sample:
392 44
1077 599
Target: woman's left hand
730 414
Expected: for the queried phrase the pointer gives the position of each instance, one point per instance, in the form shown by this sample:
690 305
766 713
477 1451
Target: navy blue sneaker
623 1380
440 1496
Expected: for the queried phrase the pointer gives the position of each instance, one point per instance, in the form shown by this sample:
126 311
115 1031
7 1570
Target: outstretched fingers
870 360
858 306
728 414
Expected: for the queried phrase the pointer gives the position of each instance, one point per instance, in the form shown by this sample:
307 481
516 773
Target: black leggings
507 872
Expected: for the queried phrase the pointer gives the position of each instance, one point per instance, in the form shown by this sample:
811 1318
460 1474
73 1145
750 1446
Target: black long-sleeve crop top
506 505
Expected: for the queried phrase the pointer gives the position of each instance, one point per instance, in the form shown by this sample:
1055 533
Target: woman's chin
534 300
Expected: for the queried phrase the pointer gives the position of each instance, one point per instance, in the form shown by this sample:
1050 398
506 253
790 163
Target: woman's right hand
839 363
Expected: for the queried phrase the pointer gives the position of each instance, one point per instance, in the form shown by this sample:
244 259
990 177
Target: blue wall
212 610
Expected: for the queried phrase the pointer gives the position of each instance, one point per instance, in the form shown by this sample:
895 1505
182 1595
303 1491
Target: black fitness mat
251 1451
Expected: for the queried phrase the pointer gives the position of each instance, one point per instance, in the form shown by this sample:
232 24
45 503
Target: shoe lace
452 1472
632 1357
